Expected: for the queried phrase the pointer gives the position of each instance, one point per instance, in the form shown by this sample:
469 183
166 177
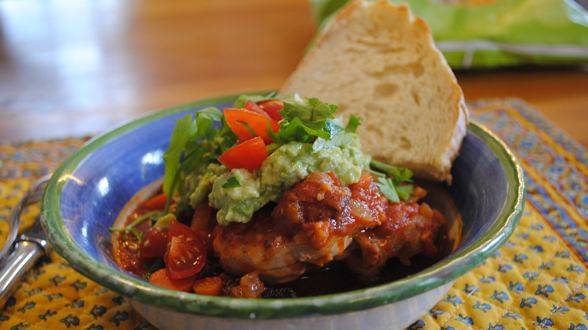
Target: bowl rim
440 273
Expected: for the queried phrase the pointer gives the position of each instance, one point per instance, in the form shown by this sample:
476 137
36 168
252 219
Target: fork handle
24 256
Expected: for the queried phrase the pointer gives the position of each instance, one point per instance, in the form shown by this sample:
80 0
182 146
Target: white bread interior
377 61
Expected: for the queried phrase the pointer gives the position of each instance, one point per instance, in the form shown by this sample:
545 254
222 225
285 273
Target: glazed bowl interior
91 187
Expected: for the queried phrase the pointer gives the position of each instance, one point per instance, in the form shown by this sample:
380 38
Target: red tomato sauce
210 279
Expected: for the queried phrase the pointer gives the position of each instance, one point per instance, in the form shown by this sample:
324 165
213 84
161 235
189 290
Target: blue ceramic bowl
89 190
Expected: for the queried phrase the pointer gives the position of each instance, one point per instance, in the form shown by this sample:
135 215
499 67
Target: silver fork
27 248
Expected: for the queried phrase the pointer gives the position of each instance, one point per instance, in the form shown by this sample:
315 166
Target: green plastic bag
494 33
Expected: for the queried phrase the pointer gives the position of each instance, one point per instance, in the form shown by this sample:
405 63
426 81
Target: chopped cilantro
398 174
242 99
352 124
232 182
390 179
404 191
387 188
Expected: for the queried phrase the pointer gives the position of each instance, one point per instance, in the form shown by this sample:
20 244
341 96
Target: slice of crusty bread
377 61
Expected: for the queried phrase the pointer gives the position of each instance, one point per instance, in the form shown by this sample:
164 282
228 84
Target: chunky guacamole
287 165
239 160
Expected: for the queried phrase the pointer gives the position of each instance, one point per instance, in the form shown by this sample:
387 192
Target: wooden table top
73 67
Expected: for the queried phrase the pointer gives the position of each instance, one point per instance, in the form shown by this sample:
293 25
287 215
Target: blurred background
77 67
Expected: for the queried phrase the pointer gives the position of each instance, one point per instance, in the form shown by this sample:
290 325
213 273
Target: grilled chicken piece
316 222
313 224
409 229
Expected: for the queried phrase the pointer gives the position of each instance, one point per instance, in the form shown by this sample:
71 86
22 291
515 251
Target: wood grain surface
73 67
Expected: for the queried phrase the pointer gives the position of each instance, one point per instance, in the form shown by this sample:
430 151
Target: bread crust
440 168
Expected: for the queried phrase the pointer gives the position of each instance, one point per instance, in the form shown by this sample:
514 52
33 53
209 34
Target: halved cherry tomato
244 123
154 243
161 278
255 108
210 286
156 202
248 155
186 252
272 108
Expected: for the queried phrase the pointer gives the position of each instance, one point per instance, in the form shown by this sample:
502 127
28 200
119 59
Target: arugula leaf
232 182
205 120
404 191
352 124
398 174
183 132
391 187
387 188
212 113
196 141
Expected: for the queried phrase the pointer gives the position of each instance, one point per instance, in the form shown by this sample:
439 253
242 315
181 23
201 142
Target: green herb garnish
404 191
398 174
242 99
392 180
352 124
306 120
131 227
185 130
232 182
387 188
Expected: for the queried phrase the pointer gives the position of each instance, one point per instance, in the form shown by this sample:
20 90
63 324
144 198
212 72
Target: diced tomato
248 155
156 202
272 108
161 278
210 286
186 251
154 244
256 108
247 124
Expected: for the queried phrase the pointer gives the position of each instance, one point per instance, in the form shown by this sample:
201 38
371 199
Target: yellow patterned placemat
537 280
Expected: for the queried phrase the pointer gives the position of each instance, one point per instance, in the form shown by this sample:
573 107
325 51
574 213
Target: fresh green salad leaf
184 131
196 141
205 120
